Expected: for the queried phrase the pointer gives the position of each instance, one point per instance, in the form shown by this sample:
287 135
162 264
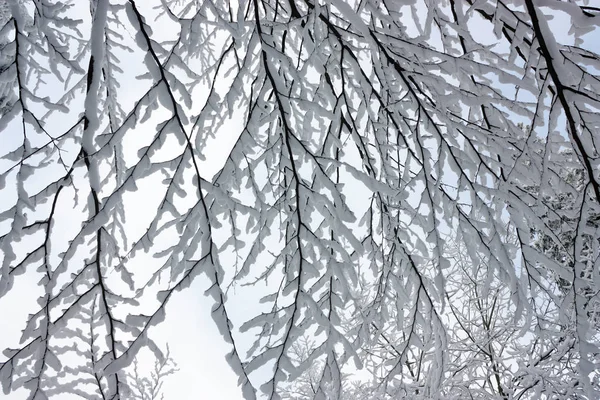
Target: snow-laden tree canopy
413 184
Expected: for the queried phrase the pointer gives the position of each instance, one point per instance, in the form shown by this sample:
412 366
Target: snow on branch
409 189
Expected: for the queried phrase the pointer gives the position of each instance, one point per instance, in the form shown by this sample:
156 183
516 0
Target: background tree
363 143
149 386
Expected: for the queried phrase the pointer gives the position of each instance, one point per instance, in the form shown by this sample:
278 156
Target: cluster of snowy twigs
414 184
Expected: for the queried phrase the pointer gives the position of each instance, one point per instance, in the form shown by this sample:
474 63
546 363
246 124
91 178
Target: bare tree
362 142
149 386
